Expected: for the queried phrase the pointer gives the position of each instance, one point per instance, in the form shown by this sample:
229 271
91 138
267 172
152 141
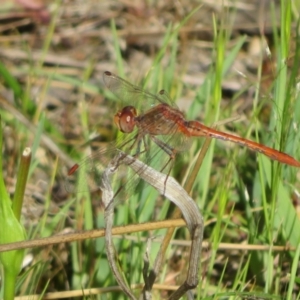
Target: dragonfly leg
165 147
139 140
136 142
170 151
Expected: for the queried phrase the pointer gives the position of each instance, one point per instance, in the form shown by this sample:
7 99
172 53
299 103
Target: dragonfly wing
86 175
129 94
165 97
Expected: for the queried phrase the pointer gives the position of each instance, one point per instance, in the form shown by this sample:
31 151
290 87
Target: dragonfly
165 125
166 119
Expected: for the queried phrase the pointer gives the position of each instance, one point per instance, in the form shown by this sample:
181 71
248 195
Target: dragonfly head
125 119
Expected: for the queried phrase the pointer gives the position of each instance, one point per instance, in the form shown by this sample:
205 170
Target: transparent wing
93 165
166 98
85 176
129 94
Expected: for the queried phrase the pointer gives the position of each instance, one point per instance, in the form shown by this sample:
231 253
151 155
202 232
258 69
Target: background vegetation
217 61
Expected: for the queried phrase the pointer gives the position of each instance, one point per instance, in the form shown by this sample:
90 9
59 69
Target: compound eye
125 119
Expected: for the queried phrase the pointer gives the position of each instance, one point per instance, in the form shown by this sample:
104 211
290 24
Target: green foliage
11 231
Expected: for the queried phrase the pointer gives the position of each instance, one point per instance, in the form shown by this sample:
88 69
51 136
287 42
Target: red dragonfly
165 125
165 119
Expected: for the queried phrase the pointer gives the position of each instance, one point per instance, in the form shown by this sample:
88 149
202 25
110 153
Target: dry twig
175 193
